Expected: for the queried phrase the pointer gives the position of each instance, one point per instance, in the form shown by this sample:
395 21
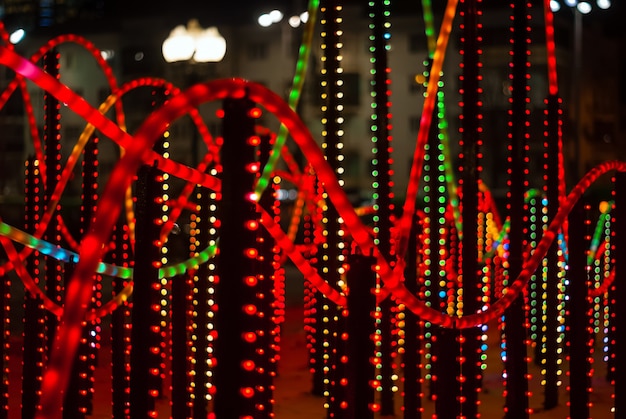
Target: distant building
268 56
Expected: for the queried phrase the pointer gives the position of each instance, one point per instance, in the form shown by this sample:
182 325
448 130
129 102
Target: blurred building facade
268 55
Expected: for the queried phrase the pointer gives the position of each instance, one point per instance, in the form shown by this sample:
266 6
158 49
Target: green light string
294 96
67 256
597 234
441 116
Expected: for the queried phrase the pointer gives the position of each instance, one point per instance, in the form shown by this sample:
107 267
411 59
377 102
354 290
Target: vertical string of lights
312 319
412 364
203 232
120 326
180 359
579 323
318 358
52 156
610 311
535 288
238 344
515 339
599 262
270 310
619 378
552 276
380 127
34 311
470 281
164 287
332 255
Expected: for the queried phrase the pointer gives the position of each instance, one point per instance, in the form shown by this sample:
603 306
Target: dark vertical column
34 330
620 294
579 351
412 358
78 397
516 399
381 138
180 290
551 356
235 375
470 176
91 333
361 281
447 350
144 362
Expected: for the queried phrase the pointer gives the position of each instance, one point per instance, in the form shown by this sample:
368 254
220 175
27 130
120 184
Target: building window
258 51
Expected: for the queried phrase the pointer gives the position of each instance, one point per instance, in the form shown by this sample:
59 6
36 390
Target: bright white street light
275 16
194 43
17 36
584 7
265 20
294 21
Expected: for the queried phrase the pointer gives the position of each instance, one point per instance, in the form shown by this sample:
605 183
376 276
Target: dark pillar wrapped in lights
237 348
52 157
620 295
381 140
579 314
145 333
78 399
360 327
514 322
332 253
469 341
